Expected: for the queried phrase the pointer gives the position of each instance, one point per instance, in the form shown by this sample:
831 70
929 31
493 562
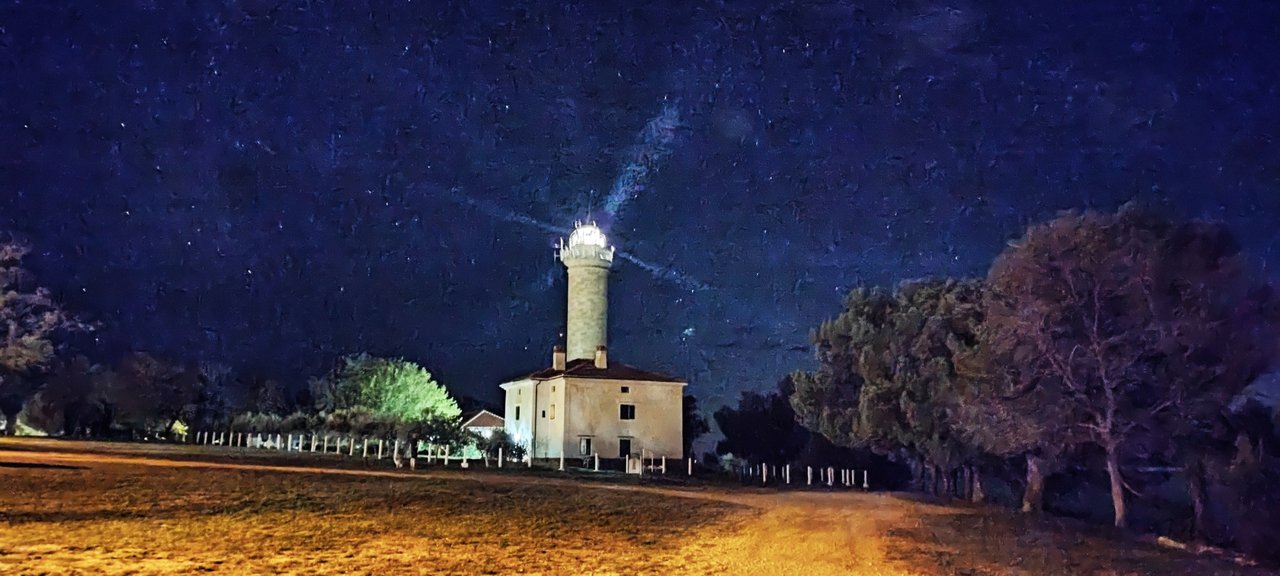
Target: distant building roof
586 368
484 419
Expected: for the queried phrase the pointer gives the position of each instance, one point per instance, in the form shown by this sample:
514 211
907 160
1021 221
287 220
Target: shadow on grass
40 466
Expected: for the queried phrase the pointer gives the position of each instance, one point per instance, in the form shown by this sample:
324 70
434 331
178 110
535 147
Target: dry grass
102 508
120 518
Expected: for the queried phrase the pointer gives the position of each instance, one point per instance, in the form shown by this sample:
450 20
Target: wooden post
809 471
413 462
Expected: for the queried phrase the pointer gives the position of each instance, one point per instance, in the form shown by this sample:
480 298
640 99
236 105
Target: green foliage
394 388
891 365
761 428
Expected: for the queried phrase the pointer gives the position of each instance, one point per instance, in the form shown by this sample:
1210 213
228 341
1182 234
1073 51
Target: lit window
626 389
584 446
553 411
627 411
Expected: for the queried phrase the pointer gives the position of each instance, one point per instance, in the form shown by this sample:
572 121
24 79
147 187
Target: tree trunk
1117 486
1199 496
922 475
936 472
1033 497
976 494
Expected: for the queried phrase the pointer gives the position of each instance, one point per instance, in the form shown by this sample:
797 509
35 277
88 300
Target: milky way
271 184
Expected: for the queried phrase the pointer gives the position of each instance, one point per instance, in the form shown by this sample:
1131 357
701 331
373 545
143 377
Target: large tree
1103 316
149 394
31 321
394 387
761 428
888 371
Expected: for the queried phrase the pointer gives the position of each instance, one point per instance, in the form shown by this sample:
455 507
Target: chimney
557 358
602 357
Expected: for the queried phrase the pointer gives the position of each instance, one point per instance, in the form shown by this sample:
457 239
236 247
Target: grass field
98 508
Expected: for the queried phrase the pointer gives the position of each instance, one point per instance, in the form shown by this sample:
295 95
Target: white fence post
664 465
691 466
787 472
562 462
500 457
866 480
809 471
596 455
351 448
831 473
764 474
379 448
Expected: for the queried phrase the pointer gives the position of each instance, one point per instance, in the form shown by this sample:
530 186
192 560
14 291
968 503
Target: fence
778 476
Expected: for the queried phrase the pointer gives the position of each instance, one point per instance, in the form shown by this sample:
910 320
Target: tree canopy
391 387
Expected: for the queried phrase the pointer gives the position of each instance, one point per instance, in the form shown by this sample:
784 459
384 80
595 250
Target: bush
1254 500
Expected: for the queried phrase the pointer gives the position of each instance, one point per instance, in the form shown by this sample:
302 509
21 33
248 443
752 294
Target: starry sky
270 184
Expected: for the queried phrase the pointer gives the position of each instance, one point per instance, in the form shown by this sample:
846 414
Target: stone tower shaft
588 259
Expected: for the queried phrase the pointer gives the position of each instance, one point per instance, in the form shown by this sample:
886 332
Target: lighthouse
587 404
587 257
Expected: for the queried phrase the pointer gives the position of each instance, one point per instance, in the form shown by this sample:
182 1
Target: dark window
544 413
624 447
627 411
626 389
584 446
517 412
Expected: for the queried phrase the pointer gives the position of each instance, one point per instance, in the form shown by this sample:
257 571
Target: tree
149 394
32 321
1101 314
394 388
694 425
761 427
70 401
888 373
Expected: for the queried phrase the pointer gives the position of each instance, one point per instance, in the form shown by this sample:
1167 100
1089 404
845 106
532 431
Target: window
626 389
517 412
544 413
553 411
553 388
624 447
584 445
627 411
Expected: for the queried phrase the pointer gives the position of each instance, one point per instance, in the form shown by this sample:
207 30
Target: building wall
539 418
593 410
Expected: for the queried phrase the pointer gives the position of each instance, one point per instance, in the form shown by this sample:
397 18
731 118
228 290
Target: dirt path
782 533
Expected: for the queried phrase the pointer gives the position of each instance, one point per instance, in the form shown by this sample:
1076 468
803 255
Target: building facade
585 404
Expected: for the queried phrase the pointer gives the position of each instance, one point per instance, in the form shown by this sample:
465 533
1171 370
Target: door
624 447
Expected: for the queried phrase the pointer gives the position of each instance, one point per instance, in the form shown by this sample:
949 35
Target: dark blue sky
271 184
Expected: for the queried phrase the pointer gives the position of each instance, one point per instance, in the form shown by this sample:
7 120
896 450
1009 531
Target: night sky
273 184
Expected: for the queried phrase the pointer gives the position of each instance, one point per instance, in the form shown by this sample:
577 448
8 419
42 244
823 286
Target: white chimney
602 357
557 358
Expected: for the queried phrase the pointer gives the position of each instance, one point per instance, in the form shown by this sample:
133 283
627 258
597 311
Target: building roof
586 368
484 419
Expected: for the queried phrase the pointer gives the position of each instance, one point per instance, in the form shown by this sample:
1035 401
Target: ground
88 508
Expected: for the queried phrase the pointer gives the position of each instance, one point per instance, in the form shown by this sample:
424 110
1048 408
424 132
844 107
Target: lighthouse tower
588 258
